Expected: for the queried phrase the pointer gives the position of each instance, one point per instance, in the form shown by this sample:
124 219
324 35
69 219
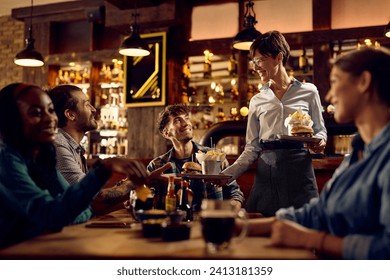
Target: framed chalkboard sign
145 77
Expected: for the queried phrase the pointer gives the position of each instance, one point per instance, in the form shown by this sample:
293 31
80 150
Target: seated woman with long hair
34 196
351 219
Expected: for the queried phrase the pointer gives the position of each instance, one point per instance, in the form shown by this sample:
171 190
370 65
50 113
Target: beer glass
137 204
217 218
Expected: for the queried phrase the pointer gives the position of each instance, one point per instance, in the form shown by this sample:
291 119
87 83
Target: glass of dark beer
218 219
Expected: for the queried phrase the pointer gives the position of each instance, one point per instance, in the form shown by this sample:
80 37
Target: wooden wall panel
144 139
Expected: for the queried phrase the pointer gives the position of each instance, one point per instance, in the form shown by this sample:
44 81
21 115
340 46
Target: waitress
284 175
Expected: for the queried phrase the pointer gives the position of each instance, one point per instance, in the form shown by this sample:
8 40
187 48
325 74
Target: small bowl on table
143 215
153 219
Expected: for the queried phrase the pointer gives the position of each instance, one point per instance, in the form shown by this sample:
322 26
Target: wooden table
79 242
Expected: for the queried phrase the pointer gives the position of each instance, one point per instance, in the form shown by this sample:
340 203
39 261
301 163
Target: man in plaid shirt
174 124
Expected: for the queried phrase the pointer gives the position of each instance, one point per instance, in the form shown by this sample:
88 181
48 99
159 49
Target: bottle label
170 203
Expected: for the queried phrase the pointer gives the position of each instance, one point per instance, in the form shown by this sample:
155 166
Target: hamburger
191 167
302 130
299 124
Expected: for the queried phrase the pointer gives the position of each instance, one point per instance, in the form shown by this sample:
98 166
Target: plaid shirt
230 191
69 157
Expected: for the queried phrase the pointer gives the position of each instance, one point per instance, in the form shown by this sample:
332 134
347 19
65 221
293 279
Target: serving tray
205 176
299 138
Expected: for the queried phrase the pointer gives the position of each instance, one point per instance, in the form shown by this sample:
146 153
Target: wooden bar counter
80 242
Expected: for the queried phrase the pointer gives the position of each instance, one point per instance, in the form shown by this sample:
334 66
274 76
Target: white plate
299 138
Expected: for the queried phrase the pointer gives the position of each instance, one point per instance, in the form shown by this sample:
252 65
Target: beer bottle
184 204
170 198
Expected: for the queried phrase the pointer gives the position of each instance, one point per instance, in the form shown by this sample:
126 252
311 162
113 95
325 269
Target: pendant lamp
29 57
244 39
387 30
134 45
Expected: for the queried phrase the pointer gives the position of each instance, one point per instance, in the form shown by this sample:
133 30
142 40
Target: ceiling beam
298 39
63 11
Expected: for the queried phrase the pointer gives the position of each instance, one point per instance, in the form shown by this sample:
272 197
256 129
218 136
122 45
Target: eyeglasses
255 63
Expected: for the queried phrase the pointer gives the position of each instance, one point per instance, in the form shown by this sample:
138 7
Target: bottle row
81 73
73 76
168 200
110 146
112 73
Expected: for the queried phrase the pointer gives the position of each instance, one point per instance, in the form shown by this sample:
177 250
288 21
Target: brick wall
11 42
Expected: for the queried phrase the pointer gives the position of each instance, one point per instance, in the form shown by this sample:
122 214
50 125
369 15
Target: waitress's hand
317 148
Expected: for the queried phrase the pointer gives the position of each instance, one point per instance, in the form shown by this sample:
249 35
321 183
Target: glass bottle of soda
170 198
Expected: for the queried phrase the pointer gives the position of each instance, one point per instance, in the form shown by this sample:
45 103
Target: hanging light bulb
387 30
244 39
134 45
29 57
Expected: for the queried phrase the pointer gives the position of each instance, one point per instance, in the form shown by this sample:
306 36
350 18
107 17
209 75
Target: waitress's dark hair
374 60
271 44
11 132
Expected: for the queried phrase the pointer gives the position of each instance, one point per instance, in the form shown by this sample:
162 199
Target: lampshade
244 39
387 30
134 45
29 57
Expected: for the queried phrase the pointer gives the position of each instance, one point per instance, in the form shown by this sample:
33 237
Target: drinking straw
211 142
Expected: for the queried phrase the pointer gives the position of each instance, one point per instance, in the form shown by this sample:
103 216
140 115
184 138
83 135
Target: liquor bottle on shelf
207 64
78 78
102 74
170 198
66 77
72 77
59 78
220 115
121 73
108 74
85 76
303 61
186 72
115 72
232 66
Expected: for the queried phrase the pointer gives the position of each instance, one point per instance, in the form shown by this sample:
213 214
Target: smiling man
76 116
174 124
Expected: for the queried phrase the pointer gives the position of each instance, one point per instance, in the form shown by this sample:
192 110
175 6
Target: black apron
284 178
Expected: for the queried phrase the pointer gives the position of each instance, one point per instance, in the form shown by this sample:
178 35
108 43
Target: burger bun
191 167
302 130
